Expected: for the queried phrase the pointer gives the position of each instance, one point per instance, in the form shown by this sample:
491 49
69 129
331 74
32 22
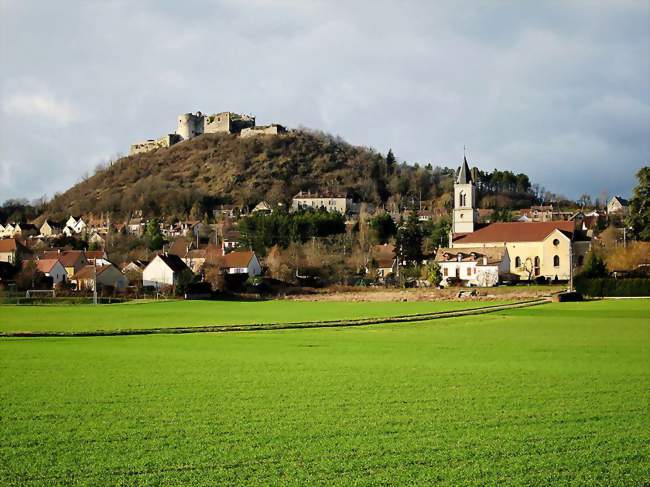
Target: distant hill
215 169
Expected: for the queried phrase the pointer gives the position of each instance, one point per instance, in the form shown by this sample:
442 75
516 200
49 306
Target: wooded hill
215 169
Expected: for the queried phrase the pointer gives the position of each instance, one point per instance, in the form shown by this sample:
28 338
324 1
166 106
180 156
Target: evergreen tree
409 240
639 212
155 239
390 162
383 228
594 266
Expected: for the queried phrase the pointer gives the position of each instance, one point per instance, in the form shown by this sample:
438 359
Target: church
486 254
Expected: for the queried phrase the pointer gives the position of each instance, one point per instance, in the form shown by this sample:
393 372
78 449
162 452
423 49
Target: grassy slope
197 313
557 393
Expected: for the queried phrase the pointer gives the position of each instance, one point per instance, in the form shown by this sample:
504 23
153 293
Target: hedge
607 286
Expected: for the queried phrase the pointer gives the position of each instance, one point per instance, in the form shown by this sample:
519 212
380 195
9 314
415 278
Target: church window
463 199
517 261
556 261
556 242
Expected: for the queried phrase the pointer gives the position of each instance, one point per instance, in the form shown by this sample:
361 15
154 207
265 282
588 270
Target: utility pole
94 281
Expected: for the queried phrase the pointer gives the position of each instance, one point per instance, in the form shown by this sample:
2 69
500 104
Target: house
97 257
52 268
328 201
12 251
549 249
263 208
7 230
74 226
617 206
163 270
242 262
384 260
98 239
26 229
106 276
72 260
230 240
195 258
51 228
135 266
473 266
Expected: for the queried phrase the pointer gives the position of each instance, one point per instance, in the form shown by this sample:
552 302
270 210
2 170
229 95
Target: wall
273 129
157 274
149 145
330 204
189 125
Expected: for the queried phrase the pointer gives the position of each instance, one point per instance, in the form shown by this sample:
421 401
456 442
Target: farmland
137 315
553 393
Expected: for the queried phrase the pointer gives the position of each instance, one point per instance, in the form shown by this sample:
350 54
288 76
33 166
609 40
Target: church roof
517 232
464 173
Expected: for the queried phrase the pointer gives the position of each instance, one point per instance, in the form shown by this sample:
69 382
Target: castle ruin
191 125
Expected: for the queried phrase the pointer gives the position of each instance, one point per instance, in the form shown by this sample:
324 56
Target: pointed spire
464 173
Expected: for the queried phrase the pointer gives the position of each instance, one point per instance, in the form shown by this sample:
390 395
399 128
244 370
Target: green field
136 315
557 393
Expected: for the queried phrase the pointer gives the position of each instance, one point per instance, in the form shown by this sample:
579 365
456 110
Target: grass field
557 393
136 315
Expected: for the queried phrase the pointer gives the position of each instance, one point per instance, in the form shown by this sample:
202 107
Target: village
539 244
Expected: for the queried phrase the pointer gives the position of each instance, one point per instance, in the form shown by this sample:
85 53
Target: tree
409 240
431 272
594 265
383 228
154 237
639 212
440 232
390 162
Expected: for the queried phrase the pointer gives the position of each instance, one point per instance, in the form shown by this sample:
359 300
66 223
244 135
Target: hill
215 169
218 169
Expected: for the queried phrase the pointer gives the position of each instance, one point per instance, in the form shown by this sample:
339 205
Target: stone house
328 201
473 266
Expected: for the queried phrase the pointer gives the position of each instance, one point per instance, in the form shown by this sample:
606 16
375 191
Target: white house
242 262
163 270
617 206
52 268
473 266
328 201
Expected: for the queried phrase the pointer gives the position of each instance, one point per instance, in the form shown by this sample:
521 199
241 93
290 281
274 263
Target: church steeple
465 212
464 173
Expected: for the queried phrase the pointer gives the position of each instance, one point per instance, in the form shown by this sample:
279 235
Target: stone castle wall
273 129
153 144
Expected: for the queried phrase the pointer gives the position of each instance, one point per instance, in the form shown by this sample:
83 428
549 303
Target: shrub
600 287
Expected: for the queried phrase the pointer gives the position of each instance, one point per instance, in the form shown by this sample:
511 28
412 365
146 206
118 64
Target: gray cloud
559 90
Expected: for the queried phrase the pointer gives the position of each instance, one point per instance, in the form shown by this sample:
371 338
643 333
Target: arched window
463 198
556 261
536 266
517 262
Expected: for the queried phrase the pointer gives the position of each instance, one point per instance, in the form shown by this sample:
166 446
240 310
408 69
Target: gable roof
622 201
174 262
86 272
8 245
67 257
46 265
517 232
239 258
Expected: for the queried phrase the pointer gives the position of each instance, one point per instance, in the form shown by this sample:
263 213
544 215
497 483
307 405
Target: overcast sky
560 91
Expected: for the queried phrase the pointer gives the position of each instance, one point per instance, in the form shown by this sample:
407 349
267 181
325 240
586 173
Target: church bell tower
465 212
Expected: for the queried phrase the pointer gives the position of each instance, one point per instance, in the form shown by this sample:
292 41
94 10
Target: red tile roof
8 245
237 259
516 232
45 265
86 272
67 257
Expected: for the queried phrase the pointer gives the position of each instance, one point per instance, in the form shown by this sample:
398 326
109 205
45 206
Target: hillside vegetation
218 169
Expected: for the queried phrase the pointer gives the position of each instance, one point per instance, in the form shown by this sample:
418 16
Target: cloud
43 105
558 90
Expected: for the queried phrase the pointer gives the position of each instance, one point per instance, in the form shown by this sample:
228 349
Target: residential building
72 260
328 201
617 206
13 251
105 275
52 268
242 262
473 266
163 270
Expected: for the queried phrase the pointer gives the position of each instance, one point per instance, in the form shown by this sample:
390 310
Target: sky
559 90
